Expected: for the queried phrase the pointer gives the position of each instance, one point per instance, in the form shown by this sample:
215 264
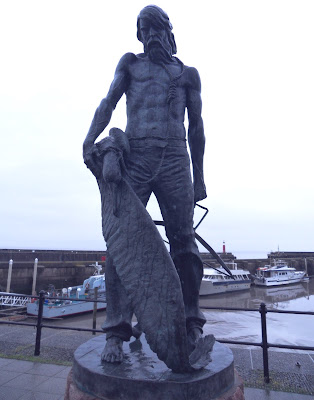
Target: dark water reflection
281 328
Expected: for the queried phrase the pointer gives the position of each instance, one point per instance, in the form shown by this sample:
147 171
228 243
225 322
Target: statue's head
154 31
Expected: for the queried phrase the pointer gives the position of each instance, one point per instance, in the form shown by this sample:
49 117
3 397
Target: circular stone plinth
143 376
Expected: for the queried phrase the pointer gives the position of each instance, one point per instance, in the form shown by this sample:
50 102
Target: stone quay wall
298 260
61 268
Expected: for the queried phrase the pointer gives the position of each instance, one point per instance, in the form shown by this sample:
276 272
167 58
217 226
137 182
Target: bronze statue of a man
159 88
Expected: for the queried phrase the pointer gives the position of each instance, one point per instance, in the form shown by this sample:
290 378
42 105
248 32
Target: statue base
143 376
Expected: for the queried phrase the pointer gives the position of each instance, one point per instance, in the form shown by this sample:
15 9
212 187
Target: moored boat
278 274
68 301
215 280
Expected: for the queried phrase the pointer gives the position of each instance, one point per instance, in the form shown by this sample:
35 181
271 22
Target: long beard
159 54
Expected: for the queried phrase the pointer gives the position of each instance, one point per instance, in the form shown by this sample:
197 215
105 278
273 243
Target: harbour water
289 329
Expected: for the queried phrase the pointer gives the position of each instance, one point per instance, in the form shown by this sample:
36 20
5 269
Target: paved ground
26 380
289 372
39 378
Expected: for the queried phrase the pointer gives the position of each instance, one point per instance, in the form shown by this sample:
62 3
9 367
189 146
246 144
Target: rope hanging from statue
205 244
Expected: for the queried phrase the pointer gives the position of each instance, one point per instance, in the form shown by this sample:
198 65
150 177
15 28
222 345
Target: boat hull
62 310
208 287
277 282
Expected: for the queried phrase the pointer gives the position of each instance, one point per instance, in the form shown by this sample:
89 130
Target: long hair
159 18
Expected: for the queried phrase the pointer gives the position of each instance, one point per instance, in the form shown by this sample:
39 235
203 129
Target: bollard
95 309
9 276
39 322
263 311
34 277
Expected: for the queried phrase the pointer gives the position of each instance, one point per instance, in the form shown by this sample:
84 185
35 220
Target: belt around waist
157 142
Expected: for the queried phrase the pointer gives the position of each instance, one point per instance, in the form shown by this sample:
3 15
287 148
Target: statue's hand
91 159
111 170
199 190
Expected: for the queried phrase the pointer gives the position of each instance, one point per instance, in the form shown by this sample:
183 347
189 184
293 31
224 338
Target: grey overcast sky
256 63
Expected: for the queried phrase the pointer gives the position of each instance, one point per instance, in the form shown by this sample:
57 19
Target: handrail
262 310
257 309
31 296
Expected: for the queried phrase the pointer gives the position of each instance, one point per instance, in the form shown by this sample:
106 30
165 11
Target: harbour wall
64 268
61 268
298 260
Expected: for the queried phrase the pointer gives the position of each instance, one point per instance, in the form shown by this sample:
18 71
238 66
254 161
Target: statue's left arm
196 136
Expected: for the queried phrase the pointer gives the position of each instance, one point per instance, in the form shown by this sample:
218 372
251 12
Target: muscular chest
151 80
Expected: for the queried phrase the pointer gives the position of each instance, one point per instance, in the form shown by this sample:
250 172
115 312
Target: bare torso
148 113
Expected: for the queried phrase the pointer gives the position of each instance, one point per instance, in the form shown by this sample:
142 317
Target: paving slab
7 376
7 393
26 381
261 394
19 366
48 370
52 385
40 396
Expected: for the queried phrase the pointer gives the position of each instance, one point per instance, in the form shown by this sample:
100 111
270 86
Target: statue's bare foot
199 348
113 352
200 356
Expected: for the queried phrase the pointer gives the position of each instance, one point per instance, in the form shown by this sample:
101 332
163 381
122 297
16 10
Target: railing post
263 311
39 322
95 309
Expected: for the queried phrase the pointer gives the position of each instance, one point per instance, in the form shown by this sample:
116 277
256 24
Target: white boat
217 281
71 302
278 274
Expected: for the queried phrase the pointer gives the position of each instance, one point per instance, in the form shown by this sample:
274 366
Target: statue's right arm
104 111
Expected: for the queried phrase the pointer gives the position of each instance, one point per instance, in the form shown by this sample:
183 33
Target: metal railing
264 344
13 300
